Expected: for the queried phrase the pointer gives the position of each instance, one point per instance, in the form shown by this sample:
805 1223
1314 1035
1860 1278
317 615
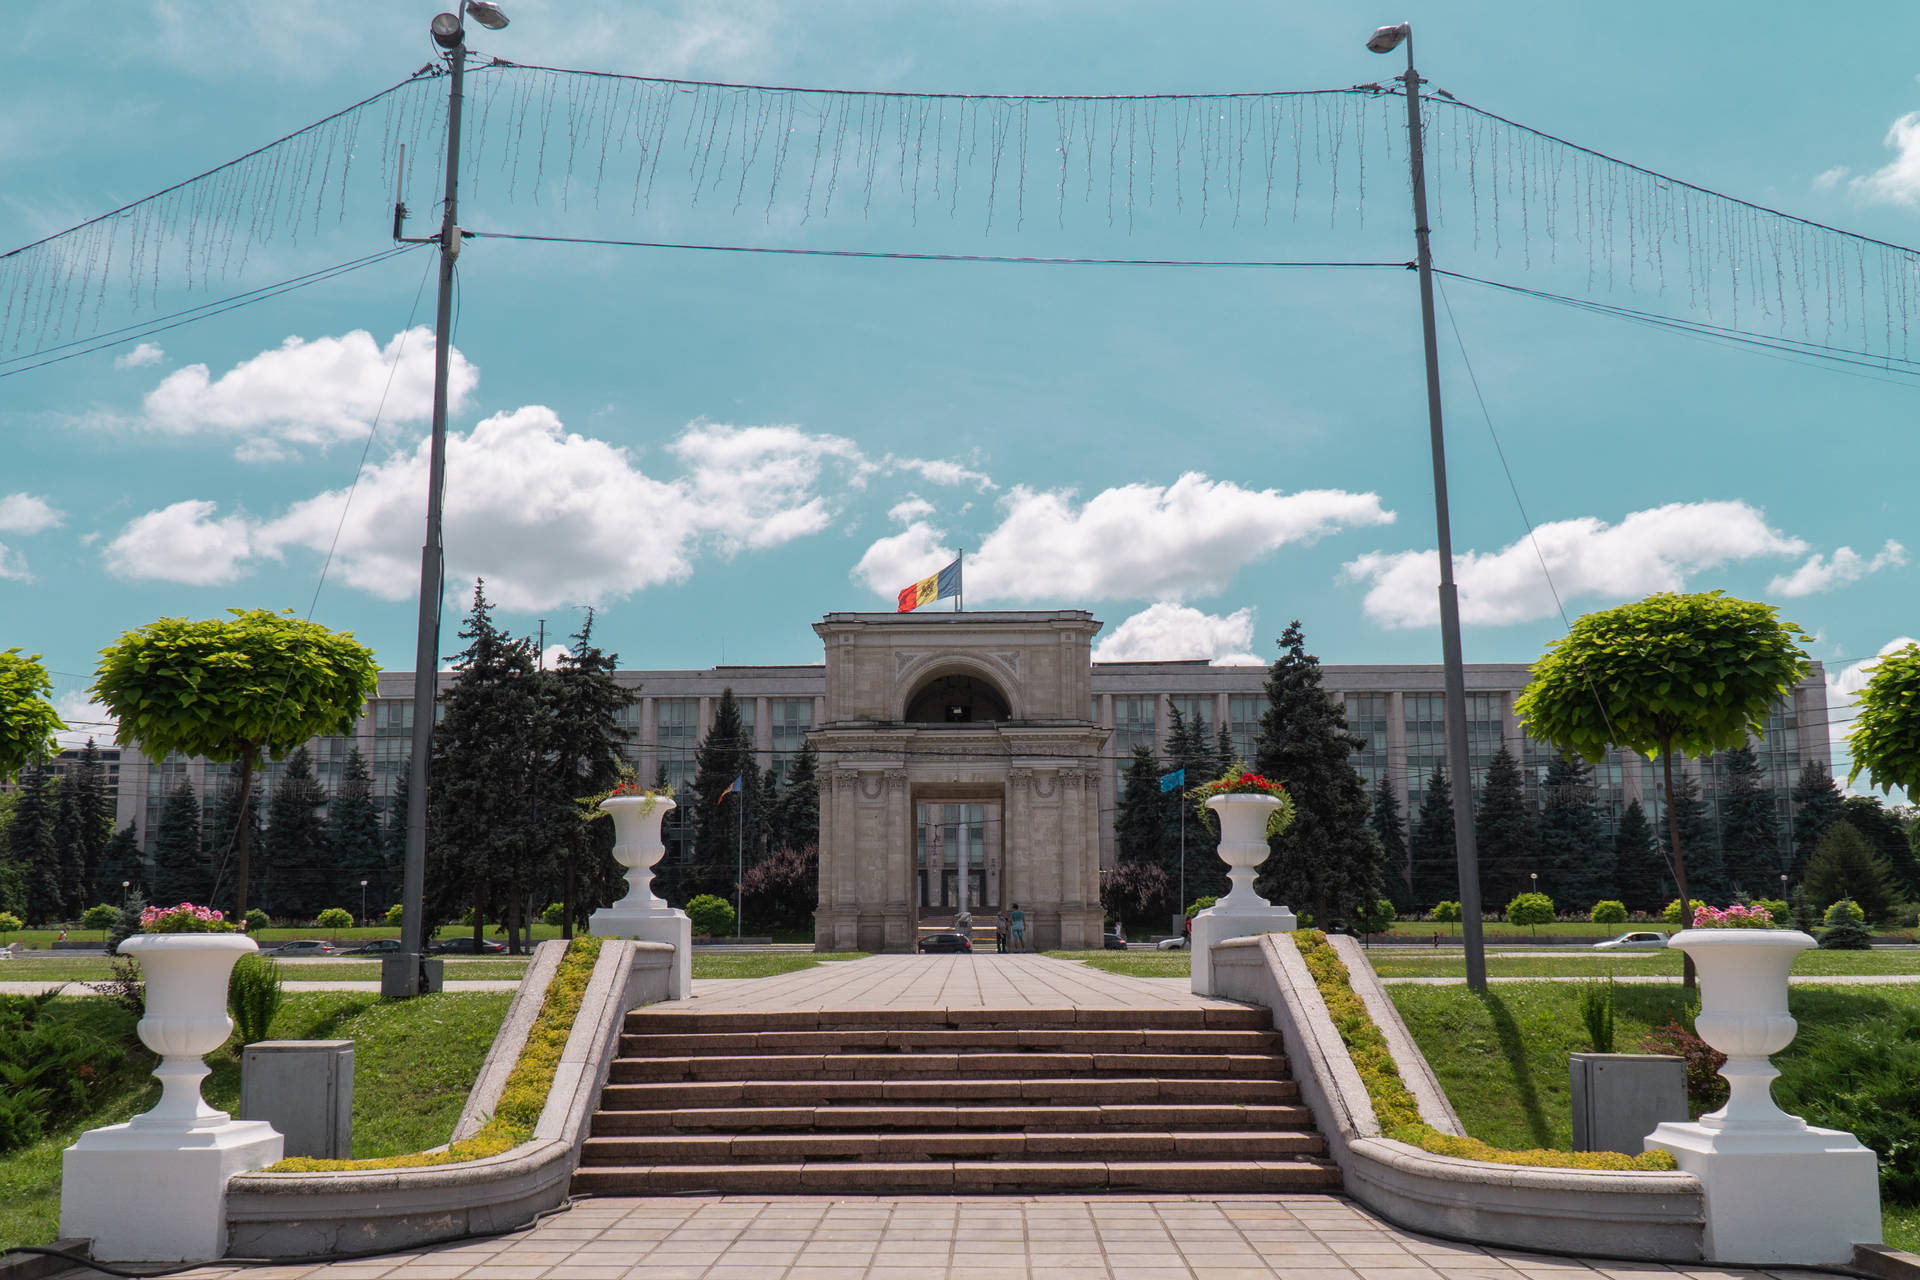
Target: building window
1243 721
1194 709
792 719
1367 720
679 727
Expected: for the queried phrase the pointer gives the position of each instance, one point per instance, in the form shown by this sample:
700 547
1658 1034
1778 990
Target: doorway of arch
958 859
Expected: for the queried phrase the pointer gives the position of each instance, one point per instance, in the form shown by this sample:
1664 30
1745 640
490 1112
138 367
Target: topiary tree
1377 918
27 720
1687 673
334 918
1530 910
711 914
9 923
1886 736
1679 919
232 688
1609 911
102 916
256 920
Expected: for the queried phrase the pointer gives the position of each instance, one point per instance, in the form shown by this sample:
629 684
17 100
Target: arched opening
957 699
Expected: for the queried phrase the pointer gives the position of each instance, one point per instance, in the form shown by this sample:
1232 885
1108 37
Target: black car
959 942
1113 942
378 947
465 946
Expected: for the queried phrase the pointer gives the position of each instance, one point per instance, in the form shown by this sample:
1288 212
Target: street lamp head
1387 39
447 31
487 14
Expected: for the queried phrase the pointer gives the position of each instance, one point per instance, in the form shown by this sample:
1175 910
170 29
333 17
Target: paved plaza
985 980
949 1238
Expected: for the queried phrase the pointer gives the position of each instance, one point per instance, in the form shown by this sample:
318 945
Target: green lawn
765 965
1501 1055
1138 964
1590 964
62 967
413 1065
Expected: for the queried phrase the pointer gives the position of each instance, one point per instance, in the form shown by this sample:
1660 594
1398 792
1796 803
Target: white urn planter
1243 912
1778 1190
154 1189
641 914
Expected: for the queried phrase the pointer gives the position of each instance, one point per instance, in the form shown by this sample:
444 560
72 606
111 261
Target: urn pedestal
154 1189
641 914
1777 1189
1243 847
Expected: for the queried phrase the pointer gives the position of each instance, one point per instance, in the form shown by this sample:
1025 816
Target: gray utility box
397 984
1620 1098
303 1088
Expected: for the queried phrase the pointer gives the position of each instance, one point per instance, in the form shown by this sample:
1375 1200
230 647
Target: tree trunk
566 895
1687 976
243 839
479 918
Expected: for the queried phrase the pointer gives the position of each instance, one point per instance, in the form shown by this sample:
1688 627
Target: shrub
334 918
1609 911
1596 1010
102 917
1377 919
1446 912
1845 909
1672 914
554 914
1846 935
1777 908
9 922
393 915
125 988
1704 1084
256 920
712 916
253 997
48 1068
1529 909
783 887
1199 905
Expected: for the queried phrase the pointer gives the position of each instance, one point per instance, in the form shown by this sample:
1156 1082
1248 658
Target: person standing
1000 932
1017 932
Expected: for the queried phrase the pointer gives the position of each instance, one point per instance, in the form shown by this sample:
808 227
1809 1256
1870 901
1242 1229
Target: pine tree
1706 868
1329 857
84 826
1576 860
1640 872
354 843
180 872
1883 831
1504 833
220 835
120 861
32 846
1816 806
1140 836
301 879
723 755
1750 827
796 817
584 704
1846 865
1436 859
1189 748
1398 864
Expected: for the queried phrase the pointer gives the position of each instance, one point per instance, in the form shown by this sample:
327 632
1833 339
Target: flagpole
960 579
739 858
1183 851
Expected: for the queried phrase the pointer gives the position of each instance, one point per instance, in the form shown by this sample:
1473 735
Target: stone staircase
963 1100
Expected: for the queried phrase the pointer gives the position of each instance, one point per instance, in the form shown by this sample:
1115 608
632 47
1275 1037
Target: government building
976 759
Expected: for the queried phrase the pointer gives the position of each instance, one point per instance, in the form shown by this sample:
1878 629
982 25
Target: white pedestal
1218 923
673 927
1793 1195
148 1193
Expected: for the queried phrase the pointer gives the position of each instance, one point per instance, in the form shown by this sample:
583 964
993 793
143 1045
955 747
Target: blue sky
715 449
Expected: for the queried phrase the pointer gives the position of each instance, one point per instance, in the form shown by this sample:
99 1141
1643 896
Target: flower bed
525 1093
1393 1103
185 918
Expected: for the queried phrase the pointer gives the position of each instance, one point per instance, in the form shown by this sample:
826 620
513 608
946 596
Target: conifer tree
1846 865
796 816
120 861
1503 831
1883 831
180 872
355 843
1750 827
1140 824
1706 868
84 827
393 836
300 881
584 704
1640 871
1329 857
1816 806
1398 863
31 844
220 835
1436 863
1190 748
724 754
1576 859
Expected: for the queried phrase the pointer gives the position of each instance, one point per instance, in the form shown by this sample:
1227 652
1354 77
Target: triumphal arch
959 771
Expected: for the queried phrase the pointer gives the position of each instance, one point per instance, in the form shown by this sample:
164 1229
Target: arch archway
957 697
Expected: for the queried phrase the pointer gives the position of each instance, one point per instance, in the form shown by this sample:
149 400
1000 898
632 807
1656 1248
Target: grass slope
766 965
413 1065
1137 964
1424 964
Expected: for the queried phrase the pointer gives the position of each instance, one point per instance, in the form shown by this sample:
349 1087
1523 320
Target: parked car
301 947
956 942
378 947
1178 942
1646 941
463 945
1113 942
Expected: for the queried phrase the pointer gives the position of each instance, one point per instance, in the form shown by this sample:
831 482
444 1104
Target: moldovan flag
934 587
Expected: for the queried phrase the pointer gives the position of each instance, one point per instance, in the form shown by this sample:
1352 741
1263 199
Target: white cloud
1167 632
25 513
317 392
908 556
551 655
1183 540
545 515
1847 565
85 719
909 509
1831 178
13 565
182 543
942 471
1897 182
1652 550
140 357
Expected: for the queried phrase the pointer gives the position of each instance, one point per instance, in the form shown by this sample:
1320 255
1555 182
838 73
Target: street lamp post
126 892
1386 40
404 974
363 902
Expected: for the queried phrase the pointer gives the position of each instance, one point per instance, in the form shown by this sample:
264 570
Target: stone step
1154 1040
657 1021
894 1066
1044 1145
960 1176
1150 1117
660 1095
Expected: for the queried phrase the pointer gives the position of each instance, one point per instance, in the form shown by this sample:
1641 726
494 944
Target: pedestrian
1000 932
1017 933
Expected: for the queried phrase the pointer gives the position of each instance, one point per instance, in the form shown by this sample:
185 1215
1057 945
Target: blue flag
731 788
1168 781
